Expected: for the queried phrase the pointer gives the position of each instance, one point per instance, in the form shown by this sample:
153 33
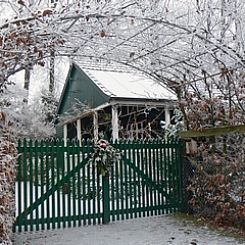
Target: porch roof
129 85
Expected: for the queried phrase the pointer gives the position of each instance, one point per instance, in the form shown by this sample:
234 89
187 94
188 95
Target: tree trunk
27 80
51 73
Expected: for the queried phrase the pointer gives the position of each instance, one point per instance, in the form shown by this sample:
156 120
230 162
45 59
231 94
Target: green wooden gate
59 186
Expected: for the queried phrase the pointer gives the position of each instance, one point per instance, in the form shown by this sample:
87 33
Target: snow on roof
128 85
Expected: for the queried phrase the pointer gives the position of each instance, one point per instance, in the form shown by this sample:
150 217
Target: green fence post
186 169
60 156
106 199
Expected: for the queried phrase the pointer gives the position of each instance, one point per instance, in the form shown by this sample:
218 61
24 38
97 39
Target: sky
40 78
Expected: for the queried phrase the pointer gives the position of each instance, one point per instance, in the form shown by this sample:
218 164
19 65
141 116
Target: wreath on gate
104 157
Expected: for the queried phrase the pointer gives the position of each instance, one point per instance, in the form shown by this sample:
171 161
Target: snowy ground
157 230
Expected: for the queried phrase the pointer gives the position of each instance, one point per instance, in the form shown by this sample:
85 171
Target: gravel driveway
157 230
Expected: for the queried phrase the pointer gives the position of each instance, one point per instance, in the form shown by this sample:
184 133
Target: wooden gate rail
146 180
22 216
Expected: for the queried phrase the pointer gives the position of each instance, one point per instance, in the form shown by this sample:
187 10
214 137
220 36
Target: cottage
115 104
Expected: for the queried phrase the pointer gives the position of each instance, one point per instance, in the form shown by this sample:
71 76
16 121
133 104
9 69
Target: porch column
96 126
114 123
167 116
65 134
79 131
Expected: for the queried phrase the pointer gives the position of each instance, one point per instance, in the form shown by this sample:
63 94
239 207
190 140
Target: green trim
147 180
106 199
144 181
64 90
213 131
51 191
56 219
148 208
79 85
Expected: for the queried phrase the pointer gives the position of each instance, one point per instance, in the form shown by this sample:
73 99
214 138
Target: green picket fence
59 186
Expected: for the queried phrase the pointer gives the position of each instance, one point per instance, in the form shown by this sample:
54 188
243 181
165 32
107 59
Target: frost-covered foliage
172 130
48 107
30 120
217 183
172 41
104 156
8 155
17 120
216 102
195 48
77 109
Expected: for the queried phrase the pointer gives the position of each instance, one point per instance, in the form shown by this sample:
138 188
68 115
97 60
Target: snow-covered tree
31 120
190 46
172 41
